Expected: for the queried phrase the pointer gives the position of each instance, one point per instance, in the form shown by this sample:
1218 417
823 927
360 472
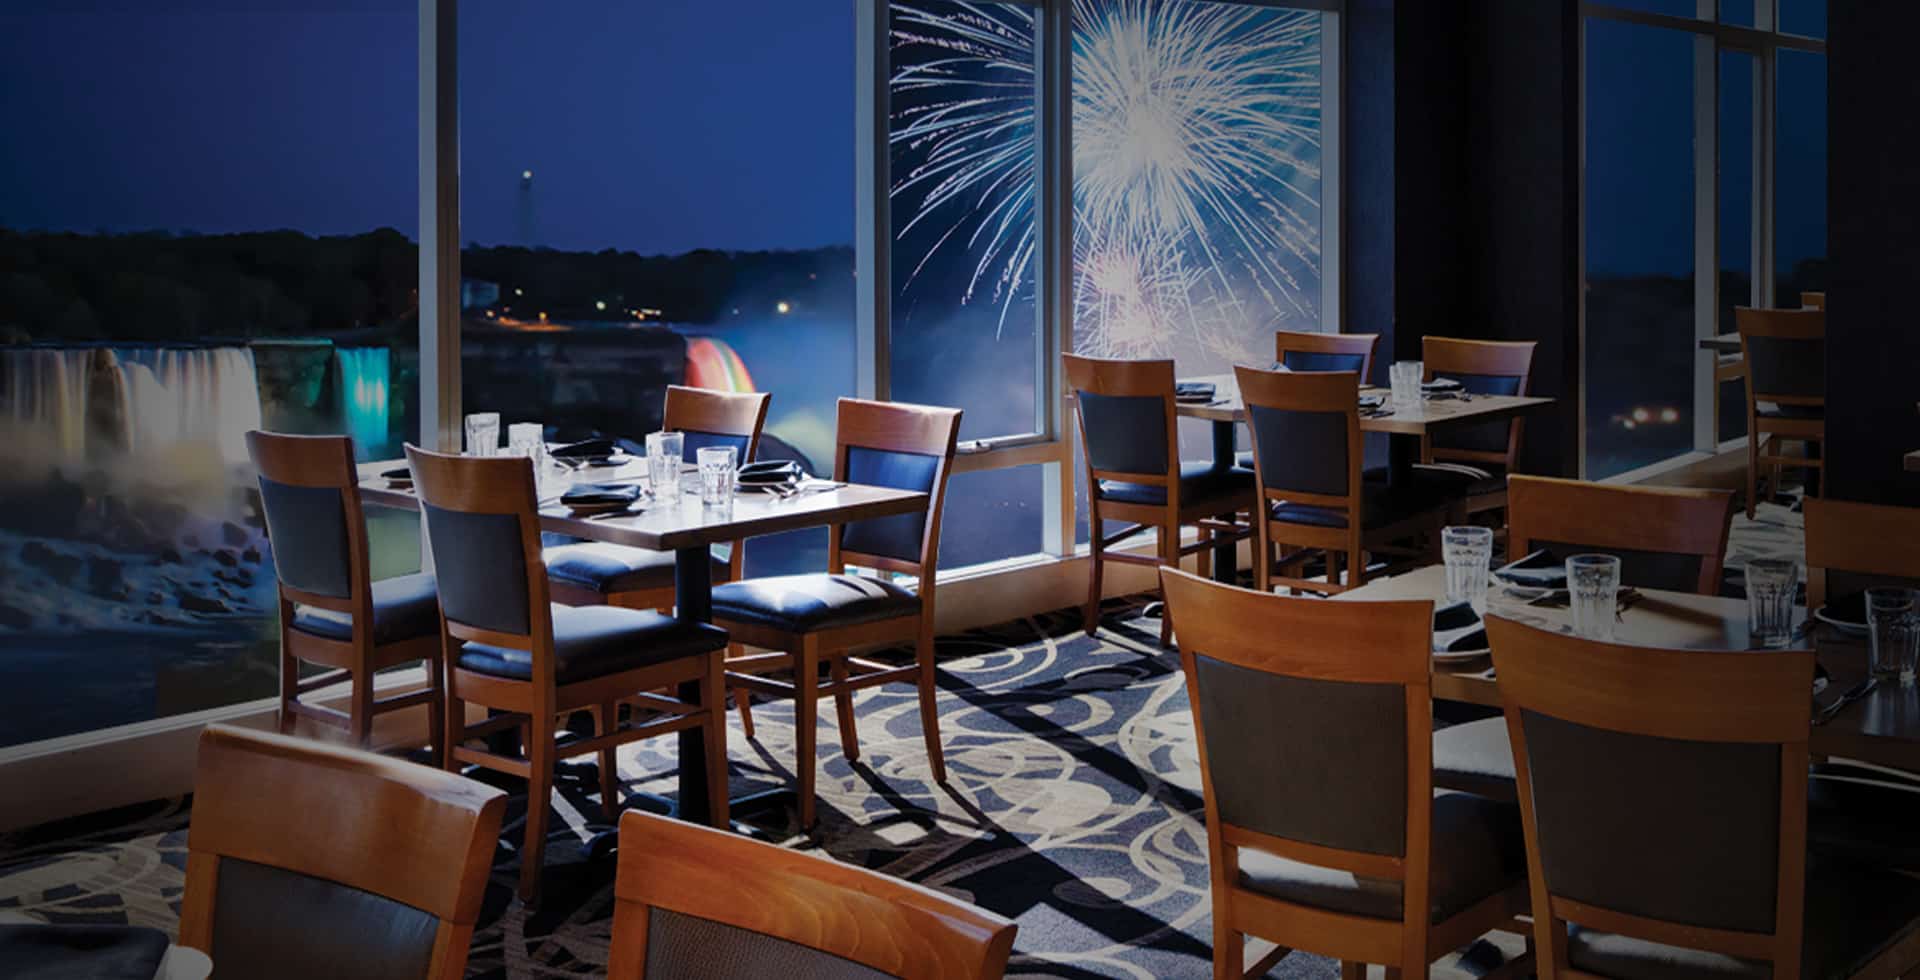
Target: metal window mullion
1053 142
873 216
1706 231
1766 105
439 250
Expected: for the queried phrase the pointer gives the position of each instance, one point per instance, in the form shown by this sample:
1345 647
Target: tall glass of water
483 434
1468 552
1405 377
717 470
1593 591
1772 584
665 454
527 439
1893 625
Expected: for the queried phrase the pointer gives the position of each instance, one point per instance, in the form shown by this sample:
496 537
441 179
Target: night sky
649 126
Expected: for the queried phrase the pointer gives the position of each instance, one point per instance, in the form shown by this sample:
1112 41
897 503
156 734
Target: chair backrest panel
689 895
716 418
1317 761
906 447
310 497
900 536
1306 432
1853 546
1312 351
1658 532
1126 413
1483 367
269 922
1786 353
483 528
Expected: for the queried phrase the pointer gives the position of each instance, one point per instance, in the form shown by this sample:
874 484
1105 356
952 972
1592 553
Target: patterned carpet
1073 809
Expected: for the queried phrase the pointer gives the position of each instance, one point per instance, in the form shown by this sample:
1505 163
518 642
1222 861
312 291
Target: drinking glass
483 434
1893 625
1593 591
1468 552
717 465
665 453
1405 377
1771 587
527 439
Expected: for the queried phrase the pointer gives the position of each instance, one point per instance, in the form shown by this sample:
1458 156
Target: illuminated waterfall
80 402
361 378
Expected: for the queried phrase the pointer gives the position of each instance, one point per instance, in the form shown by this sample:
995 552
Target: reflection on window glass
1196 159
151 315
1800 180
1738 71
1640 345
1671 8
689 222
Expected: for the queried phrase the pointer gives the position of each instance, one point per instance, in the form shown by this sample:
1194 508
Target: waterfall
181 395
70 404
361 375
61 402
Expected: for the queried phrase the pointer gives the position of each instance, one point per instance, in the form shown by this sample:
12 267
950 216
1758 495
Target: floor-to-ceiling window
205 227
1705 187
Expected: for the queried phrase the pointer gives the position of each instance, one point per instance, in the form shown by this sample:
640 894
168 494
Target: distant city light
543 317
517 291
1642 416
1629 425
1669 415
599 304
784 307
526 175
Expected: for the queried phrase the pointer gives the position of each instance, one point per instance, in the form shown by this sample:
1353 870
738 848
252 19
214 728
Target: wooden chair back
317 839
1813 301
1314 724
1852 546
1786 355
310 496
1719 739
1483 367
707 418
1128 430
908 447
1670 538
1305 428
483 528
690 901
1313 351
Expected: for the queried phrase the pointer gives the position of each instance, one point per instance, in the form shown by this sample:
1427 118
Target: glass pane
1739 13
1738 71
1640 345
1671 8
1196 145
992 515
1800 179
1807 18
630 229
962 101
257 273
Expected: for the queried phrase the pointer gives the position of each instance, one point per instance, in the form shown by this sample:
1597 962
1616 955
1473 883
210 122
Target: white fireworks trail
1196 148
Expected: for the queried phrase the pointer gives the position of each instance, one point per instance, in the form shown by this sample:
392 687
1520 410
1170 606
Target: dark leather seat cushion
594 641
404 608
1380 506
1476 757
1200 483
105 952
1864 816
1478 850
1453 479
804 603
1852 914
610 568
1771 410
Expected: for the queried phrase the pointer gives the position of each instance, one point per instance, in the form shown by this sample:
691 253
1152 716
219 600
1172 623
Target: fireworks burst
1196 163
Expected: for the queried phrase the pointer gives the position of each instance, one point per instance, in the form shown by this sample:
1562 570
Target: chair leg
1229 949
1262 558
713 699
1096 564
843 706
1169 555
533 846
1753 472
606 718
1203 562
1349 970
436 715
929 700
454 720
360 707
806 724
742 698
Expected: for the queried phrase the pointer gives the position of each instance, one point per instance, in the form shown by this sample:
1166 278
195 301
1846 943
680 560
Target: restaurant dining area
1247 488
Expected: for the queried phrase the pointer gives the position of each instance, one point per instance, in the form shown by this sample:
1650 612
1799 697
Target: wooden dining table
1407 429
689 530
1882 728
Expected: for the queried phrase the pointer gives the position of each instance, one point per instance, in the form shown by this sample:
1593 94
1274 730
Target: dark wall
1431 151
1873 333
1367 297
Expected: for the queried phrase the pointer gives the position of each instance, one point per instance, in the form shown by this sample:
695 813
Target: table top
1432 413
684 523
1882 728
1726 343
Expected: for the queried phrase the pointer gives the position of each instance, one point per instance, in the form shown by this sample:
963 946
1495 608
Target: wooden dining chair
1324 834
1315 351
308 861
332 614
691 903
593 572
1472 462
1667 538
804 623
1786 355
1664 794
1854 546
1131 444
1307 466
1813 301
509 648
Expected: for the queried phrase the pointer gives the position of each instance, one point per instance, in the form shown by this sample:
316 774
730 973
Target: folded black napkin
770 472
101 951
1193 391
1439 384
1457 629
397 473
1539 570
590 494
586 449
